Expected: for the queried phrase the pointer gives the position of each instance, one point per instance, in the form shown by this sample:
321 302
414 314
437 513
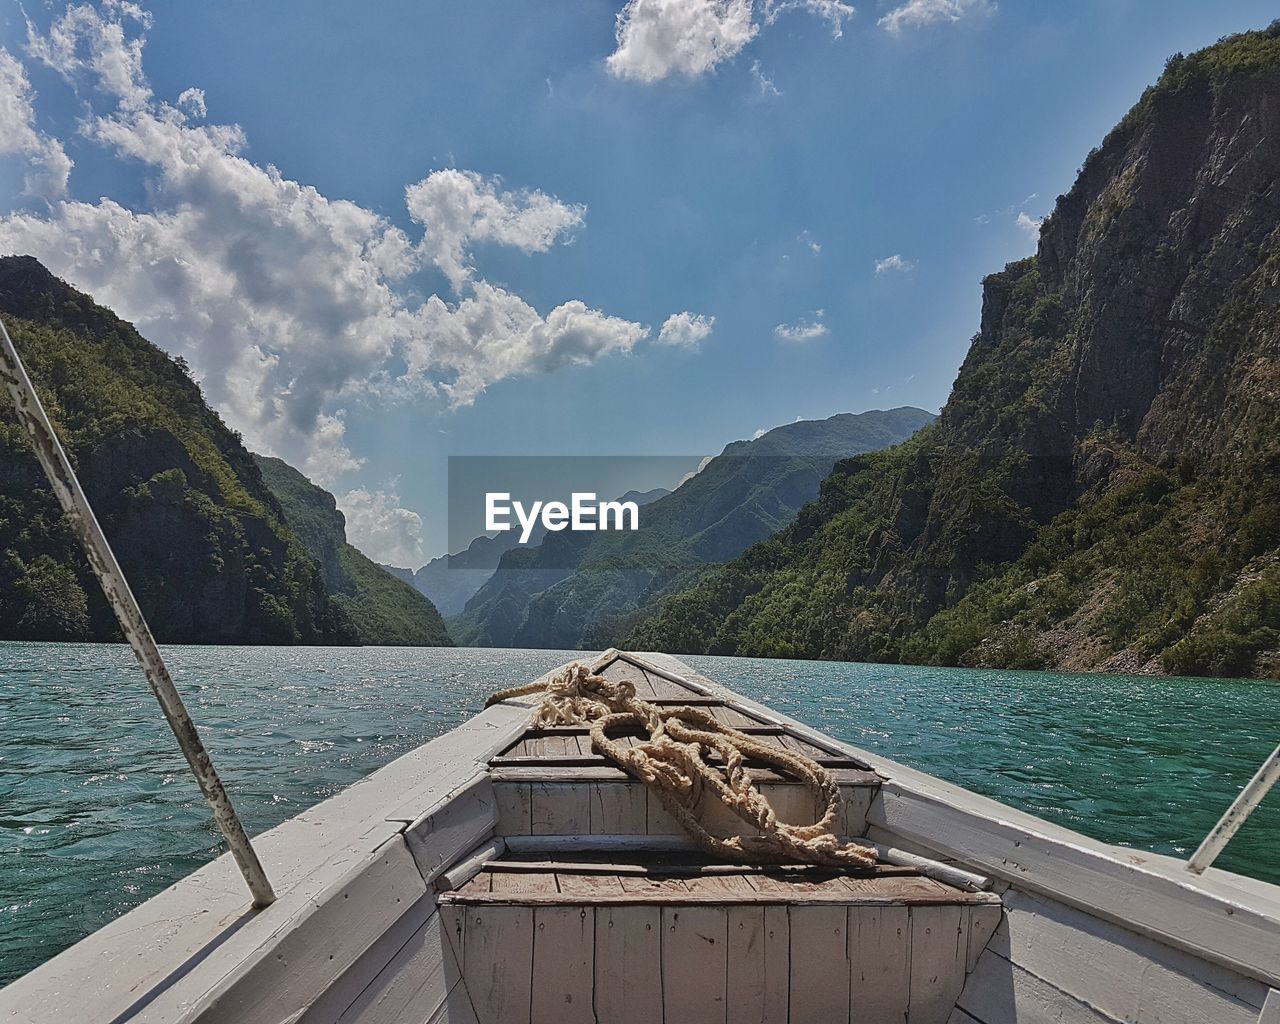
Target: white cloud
660 38
1031 225
381 528
834 12
760 432
192 102
803 329
657 38
806 239
461 207
686 329
924 13
50 167
283 300
893 264
765 83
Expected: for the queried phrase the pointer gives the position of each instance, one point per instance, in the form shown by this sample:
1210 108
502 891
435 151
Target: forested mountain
1102 489
201 539
384 609
577 589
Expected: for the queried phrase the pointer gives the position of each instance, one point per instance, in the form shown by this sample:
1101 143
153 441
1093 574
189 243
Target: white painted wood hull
500 875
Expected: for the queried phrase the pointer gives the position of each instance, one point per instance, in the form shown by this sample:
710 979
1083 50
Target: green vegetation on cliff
199 536
1102 489
384 609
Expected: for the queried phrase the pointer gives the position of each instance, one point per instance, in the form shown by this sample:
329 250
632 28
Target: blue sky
233 177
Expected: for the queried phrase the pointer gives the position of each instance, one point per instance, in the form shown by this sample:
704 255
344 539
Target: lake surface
98 811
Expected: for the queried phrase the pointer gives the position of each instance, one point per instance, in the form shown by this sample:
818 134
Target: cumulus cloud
893 264
286 302
803 329
924 13
458 208
660 38
1029 224
381 528
687 329
50 167
191 101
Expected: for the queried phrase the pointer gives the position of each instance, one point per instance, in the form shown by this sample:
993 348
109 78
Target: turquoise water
97 811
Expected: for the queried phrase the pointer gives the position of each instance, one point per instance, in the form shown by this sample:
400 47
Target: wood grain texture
414 985
499 963
1119 972
618 808
746 963
819 964
879 964
628 965
515 809
999 992
560 809
694 964
563 961
939 947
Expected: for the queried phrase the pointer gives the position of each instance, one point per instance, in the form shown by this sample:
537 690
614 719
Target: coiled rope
671 761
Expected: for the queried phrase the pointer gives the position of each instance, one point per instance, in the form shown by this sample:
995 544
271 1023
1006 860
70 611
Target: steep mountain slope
385 610
200 537
1102 489
450 581
576 589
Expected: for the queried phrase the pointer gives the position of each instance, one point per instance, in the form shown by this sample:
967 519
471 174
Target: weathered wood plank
694 964
939 946
414 985
879 964
983 922
618 808
515 808
333 1002
499 963
999 992
560 809
456 1009
1123 974
1271 1008
588 886
819 965
439 837
628 965
563 958
777 963
746 960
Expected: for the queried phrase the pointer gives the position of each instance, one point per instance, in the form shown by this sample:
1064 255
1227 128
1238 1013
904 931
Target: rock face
384 609
575 590
1101 489
199 536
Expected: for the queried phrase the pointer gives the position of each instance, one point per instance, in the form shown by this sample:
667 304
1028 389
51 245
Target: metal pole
32 416
1267 776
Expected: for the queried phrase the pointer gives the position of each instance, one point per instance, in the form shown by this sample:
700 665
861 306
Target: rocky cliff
1102 489
201 539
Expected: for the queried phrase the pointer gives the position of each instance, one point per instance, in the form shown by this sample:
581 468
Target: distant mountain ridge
451 580
576 589
385 610
1102 489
